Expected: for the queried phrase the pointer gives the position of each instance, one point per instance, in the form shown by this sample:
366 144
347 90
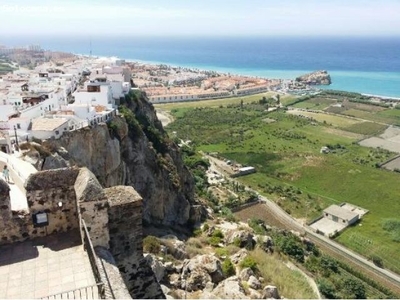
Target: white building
96 93
46 128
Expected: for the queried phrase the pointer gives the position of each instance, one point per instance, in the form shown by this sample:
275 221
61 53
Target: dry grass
290 284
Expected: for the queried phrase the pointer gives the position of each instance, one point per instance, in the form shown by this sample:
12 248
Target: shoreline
295 73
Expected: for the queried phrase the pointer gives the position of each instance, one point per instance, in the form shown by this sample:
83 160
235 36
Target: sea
369 65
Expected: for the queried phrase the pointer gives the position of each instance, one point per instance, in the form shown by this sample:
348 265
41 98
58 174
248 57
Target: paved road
387 278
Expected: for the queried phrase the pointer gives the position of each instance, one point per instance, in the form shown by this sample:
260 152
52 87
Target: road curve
385 277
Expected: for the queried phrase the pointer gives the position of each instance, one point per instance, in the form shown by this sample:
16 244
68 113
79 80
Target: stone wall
113 217
51 192
5 202
126 244
93 207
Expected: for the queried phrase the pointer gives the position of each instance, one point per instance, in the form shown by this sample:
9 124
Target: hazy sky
201 17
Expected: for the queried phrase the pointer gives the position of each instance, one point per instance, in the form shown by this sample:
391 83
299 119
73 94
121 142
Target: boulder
241 238
270 291
245 274
265 242
54 161
230 288
254 294
175 247
169 266
157 267
239 256
254 283
196 280
196 272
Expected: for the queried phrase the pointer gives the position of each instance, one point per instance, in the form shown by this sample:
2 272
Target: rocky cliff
133 149
315 78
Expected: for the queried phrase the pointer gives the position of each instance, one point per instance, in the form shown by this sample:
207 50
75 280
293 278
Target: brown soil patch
313 161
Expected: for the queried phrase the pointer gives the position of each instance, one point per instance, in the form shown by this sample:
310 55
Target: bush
214 241
326 289
249 262
328 263
218 233
206 227
353 289
151 244
377 261
228 268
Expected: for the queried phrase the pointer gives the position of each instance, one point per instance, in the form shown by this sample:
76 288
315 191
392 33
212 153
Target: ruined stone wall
126 244
51 192
93 207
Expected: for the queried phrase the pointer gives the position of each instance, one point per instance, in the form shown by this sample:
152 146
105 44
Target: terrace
51 267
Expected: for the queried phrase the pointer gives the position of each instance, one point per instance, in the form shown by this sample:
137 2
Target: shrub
206 227
249 262
214 241
237 242
353 289
228 268
221 252
329 263
377 261
326 289
197 232
151 244
218 233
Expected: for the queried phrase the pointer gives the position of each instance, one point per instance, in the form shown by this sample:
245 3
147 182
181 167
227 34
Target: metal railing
87 292
88 246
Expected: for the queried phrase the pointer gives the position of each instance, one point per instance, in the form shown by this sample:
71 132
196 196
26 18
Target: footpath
19 173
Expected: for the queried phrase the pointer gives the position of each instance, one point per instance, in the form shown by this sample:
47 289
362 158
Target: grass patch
292 171
291 284
366 128
221 102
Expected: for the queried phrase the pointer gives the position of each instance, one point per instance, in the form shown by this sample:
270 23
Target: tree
353 289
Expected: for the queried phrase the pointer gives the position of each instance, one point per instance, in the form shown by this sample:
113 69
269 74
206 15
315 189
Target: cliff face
133 149
315 78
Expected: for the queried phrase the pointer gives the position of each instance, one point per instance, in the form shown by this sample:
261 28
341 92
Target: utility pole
16 137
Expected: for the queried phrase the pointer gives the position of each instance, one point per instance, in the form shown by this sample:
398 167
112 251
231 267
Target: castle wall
50 192
126 237
93 207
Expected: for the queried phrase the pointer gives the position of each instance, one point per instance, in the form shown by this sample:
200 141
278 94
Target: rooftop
340 212
47 124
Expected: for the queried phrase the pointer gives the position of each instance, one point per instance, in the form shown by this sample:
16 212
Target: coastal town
47 93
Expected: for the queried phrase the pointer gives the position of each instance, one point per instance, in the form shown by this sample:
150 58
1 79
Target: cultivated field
290 168
389 140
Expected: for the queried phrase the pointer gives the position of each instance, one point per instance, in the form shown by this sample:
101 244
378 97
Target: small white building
341 215
46 128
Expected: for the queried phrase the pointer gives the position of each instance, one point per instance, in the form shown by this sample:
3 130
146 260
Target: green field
291 170
222 102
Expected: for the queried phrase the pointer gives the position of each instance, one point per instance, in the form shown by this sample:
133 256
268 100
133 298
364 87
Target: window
57 132
18 126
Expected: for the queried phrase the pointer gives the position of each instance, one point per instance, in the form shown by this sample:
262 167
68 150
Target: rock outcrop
199 270
315 78
134 150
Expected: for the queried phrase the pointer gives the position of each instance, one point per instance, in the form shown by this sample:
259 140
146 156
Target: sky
200 17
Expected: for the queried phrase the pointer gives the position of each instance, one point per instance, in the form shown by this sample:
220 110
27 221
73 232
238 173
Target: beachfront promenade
19 173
